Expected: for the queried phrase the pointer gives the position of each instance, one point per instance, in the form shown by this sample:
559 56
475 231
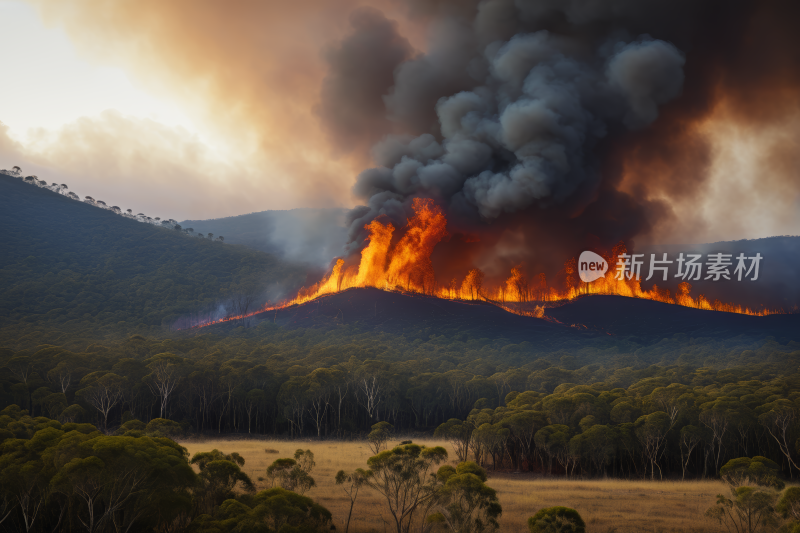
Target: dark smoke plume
551 124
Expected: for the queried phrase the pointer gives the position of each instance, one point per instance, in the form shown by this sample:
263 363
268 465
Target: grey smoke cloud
522 136
361 71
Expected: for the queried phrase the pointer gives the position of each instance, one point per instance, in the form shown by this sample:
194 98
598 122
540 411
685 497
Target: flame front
406 266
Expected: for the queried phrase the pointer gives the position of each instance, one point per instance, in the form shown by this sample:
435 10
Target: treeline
631 421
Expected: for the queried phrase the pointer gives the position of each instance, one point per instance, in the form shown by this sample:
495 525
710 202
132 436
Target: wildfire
406 266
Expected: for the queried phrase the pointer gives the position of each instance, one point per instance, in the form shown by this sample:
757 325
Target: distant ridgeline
63 189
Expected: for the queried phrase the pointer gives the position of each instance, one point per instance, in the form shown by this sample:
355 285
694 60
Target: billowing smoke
537 121
526 135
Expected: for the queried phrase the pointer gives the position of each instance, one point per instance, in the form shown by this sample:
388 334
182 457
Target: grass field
605 505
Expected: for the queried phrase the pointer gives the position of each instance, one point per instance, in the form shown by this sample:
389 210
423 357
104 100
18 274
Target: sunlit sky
144 116
48 85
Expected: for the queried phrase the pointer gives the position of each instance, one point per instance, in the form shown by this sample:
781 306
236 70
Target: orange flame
406 266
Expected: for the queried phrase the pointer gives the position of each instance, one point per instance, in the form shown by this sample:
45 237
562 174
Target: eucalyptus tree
652 430
103 391
465 504
166 372
691 437
220 476
780 420
351 484
459 434
554 440
402 477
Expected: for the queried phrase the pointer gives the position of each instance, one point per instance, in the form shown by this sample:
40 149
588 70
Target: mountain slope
313 236
66 265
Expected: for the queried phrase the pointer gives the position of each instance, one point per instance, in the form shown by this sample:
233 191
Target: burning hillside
400 260
404 264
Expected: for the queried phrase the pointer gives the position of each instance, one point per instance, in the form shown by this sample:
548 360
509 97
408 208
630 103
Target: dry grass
606 505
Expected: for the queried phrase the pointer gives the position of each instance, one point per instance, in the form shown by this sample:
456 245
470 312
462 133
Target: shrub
756 471
556 520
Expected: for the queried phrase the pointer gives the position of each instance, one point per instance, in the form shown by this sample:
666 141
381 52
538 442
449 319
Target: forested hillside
71 268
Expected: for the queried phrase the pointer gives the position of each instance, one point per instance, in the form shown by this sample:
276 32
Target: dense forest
552 414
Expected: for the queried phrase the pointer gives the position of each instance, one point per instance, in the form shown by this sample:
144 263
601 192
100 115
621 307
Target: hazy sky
198 110
137 107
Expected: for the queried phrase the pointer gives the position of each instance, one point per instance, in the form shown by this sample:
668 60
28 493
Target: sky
188 110
122 119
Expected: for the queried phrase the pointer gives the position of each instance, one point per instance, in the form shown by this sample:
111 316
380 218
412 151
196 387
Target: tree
690 438
271 510
293 474
457 433
651 430
381 432
717 418
62 375
319 387
351 483
473 283
164 377
556 520
240 307
161 427
465 504
210 236
789 504
122 483
554 440
55 404
25 477
401 476
780 422
220 474
491 438
756 471
370 389
598 442
103 393
16 170
523 426
747 511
